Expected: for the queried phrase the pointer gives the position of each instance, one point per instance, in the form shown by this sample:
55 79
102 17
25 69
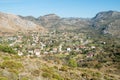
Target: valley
54 48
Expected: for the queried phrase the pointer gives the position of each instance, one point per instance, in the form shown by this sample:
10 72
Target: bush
7 49
36 73
46 75
98 66
24 78
3 78
11 65
57 76
64 68
6 58
72 63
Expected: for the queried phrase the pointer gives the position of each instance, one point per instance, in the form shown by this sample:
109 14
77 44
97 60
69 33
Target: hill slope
107 22
52 21
104 22
10 23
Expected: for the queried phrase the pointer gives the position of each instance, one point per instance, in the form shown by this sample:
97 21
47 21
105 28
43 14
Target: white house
20 53
42 45
37 52
31 52
93 47
68 49
60 48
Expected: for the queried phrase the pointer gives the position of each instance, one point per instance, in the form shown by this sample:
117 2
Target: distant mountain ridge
106 22
52 21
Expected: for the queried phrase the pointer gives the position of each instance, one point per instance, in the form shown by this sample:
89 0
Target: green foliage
98 66
7 49
72 63
3 78
6 58
46 75
57 76
50 73
11 65
64 68
24 78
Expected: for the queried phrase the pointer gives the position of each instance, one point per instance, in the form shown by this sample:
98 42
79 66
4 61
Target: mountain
107 22
52 21
10 24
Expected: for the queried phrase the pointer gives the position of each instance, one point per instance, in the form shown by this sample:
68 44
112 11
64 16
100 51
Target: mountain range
106 22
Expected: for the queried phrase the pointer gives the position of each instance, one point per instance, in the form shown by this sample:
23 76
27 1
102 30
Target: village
61 52
37 44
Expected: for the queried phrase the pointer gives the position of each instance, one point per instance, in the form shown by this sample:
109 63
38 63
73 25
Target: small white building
37 52
20 53
60 48
42 45
93 47
68 49
31 52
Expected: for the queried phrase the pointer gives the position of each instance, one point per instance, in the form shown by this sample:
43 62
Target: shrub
64 68
3 78
7 49
57 76
48 70
98 66
6 58
24 78
11 65
46 75
72 63
36 72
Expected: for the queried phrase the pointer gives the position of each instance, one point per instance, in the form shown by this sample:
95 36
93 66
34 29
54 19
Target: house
42 45
33 44
46 52
20 53
60 48
93 47
55 49
37 52
68 49
31 52
90 55
12 44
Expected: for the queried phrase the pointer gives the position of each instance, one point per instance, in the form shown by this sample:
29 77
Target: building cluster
37 44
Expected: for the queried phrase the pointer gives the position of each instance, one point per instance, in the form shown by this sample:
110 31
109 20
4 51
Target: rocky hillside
52 21
104 22
10 23
107 22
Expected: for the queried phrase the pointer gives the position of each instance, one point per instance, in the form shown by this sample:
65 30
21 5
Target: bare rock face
107 22
10 23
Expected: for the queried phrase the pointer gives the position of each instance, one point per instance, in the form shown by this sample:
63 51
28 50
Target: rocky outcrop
107 22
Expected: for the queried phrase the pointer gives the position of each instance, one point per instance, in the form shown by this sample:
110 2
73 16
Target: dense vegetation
104 64
7 49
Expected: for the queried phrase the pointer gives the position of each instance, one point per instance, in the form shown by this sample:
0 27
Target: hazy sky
63 8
